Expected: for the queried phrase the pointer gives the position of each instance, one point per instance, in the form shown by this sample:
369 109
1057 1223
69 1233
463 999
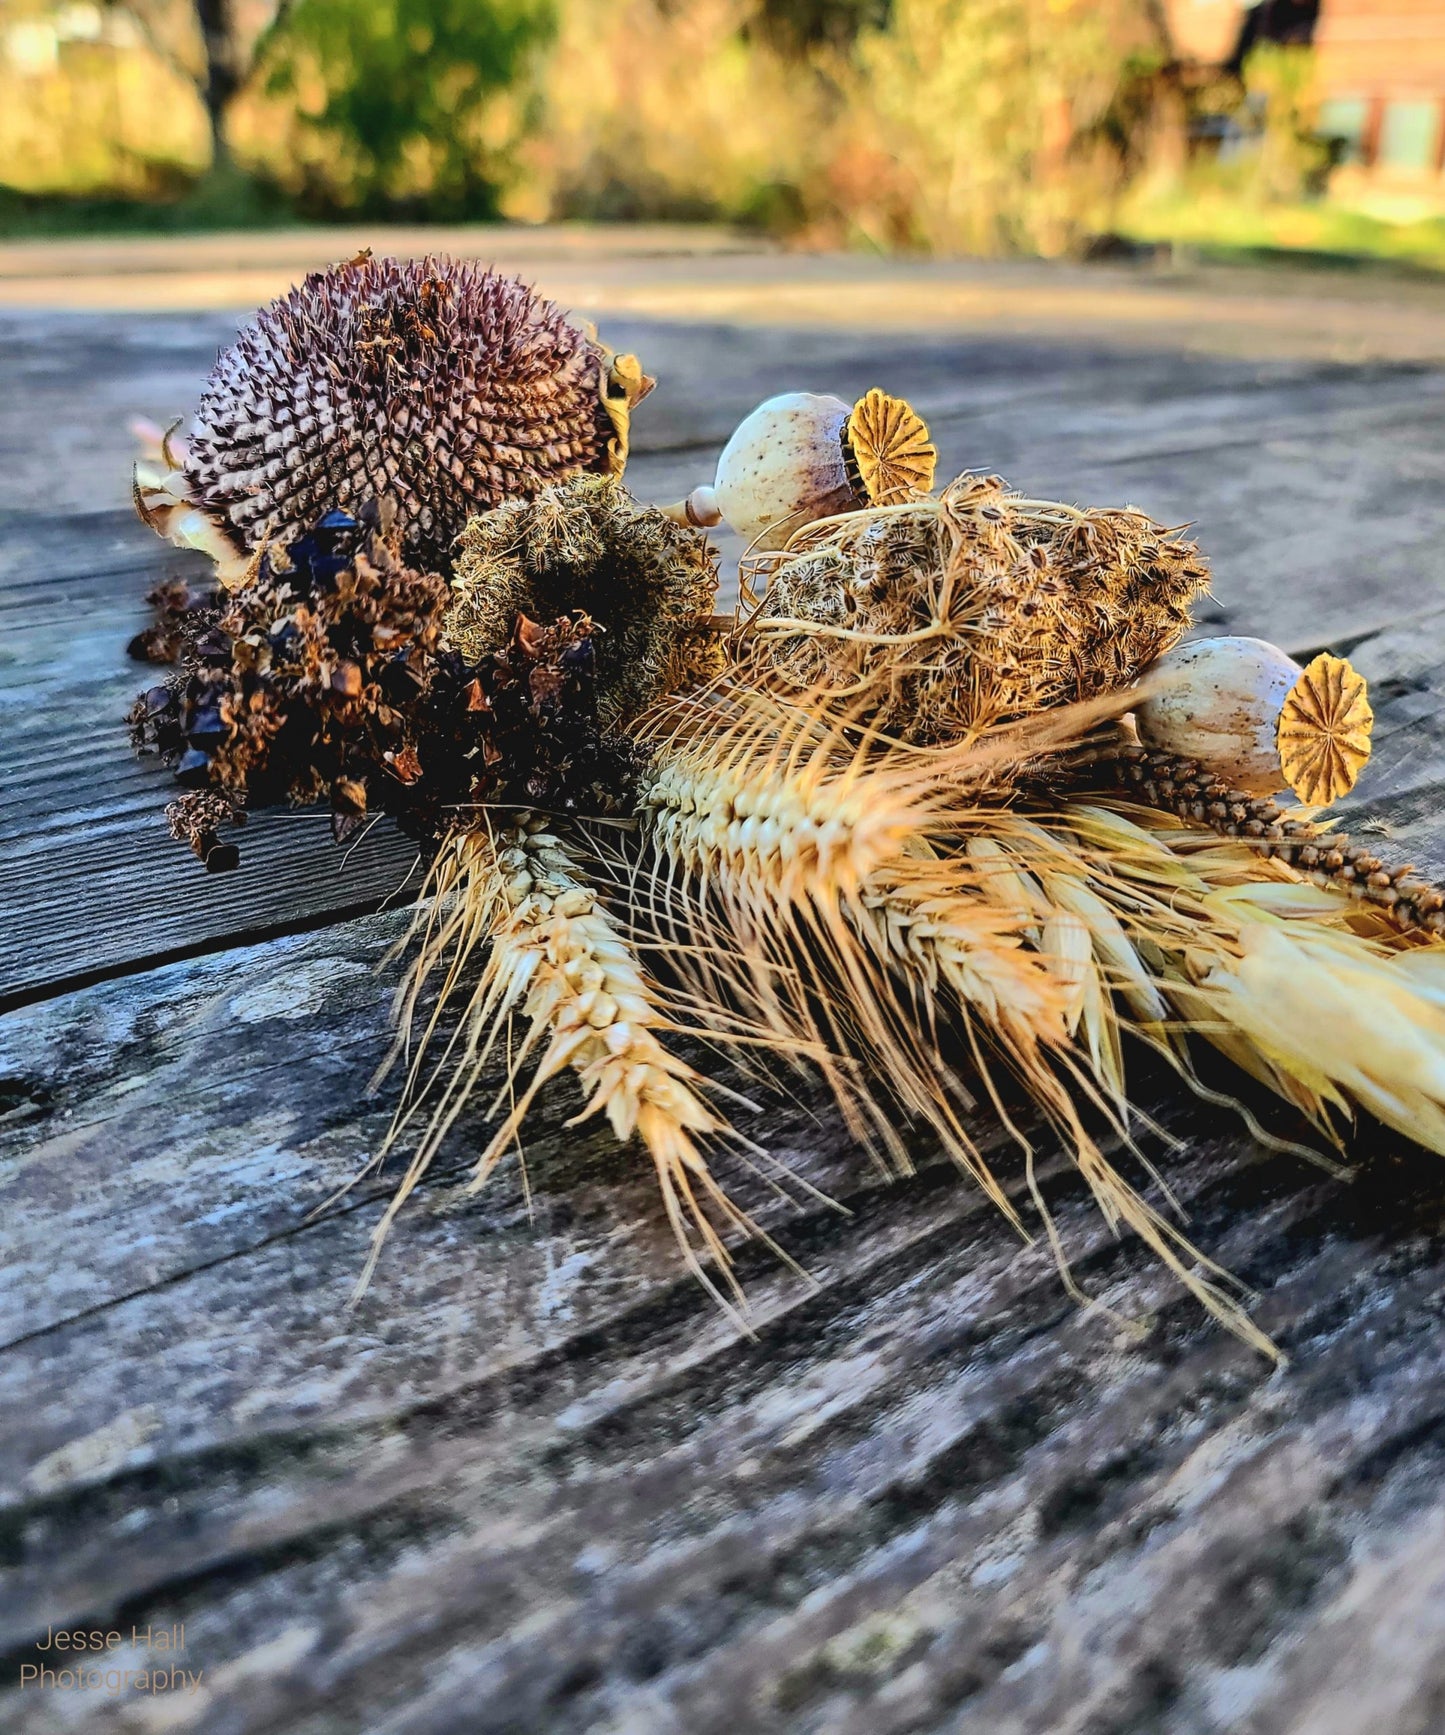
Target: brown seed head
447 387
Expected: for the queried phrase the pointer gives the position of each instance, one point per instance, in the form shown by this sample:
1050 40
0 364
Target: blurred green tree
1293 161
420 100
216 45
999 126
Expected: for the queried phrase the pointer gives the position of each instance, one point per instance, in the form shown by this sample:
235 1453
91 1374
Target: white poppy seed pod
1218 701
1247 712
804 456
784 466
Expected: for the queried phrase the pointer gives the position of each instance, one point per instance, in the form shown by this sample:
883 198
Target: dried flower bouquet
944 813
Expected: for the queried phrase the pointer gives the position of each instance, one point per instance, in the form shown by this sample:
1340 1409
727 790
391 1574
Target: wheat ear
764 823
557 959
850 927
1183 788
1272 970
744 781
808 843
1063 960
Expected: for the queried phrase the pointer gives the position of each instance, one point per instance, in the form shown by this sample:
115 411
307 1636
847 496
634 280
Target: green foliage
1292 160
171 205
412 97
997 126
933 125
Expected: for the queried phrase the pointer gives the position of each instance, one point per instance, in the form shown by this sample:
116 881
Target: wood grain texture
1353 312
1316 491
533 1480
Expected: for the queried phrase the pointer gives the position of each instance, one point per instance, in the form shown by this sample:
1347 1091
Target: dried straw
558 960
808 881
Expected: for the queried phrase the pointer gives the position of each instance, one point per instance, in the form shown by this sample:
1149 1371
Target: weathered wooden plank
1356 313
296 251
534 1481
1316 490
536 1474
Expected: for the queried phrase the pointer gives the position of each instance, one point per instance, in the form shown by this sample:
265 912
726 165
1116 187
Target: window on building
1344 119
1410 135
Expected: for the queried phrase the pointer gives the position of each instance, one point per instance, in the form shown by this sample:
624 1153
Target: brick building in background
1379 79
1380 73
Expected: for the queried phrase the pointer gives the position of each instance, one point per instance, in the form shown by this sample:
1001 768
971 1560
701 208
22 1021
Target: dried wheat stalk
1267 967
1324 856
560 961
841 919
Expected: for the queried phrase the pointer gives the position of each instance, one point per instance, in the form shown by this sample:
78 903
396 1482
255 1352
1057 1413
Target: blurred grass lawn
1230 227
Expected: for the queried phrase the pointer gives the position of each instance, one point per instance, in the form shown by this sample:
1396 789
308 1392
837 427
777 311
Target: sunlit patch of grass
1222 224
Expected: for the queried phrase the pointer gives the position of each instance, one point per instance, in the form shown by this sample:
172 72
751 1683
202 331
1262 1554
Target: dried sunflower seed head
446 386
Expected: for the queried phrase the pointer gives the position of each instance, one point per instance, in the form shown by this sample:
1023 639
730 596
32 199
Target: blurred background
1077 128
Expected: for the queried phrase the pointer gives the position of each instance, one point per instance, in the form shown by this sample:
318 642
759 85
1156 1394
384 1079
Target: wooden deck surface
534 1482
